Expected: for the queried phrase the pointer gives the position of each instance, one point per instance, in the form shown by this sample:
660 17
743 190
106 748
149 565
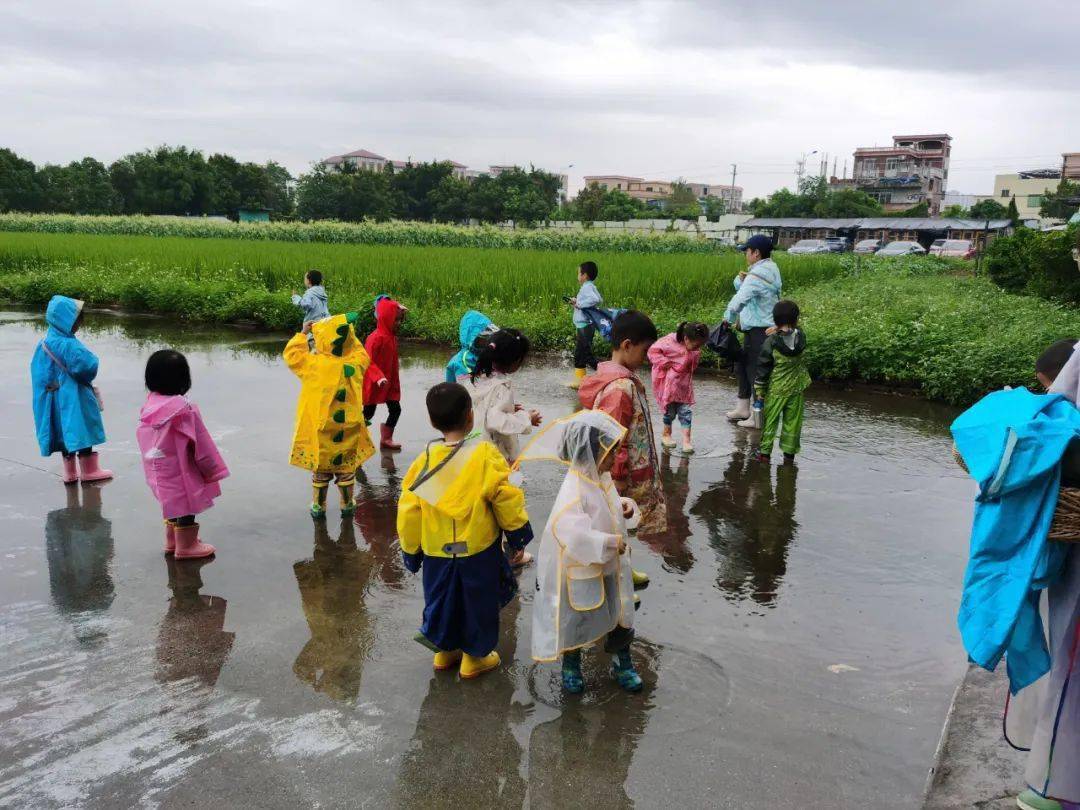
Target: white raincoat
585 588
495 414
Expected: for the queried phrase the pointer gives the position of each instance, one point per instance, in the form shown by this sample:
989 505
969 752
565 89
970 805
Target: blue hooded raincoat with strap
1012 443
472 325
66 412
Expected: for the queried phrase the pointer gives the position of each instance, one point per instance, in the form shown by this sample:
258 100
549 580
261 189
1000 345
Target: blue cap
758 241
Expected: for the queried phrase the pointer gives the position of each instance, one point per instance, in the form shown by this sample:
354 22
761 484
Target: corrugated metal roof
877 223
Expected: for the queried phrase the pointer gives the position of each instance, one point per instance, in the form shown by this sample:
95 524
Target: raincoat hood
606 373
472 324
160 408
336 335
581 441
62 313
387 314
318 291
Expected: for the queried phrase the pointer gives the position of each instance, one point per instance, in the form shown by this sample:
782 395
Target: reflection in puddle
192 641
751 523
79 548
674 545
376 518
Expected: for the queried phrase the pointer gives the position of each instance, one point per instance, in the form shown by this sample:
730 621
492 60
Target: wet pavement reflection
282 672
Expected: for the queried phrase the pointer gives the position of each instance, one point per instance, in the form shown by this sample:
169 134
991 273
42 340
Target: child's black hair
314 276
500 352
448 406
1054 358
167 373
691 330
590 270
634 326
785 313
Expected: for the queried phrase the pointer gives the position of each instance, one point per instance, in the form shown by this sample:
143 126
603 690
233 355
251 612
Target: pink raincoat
673 371
181 462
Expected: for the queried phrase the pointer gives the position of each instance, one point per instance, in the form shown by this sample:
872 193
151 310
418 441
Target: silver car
809 246
902 249
868 246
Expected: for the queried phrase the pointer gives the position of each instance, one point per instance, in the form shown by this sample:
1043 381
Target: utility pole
731 196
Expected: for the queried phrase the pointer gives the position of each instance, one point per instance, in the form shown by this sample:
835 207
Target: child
674 358
499 418
456 499
475 328
313 302
588 296
616 390
585 588
67 406
181 462
331 438
382 348
781 380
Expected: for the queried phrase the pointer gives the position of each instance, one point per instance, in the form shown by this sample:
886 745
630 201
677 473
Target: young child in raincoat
616 390
585 589
181 461
67 409
474 328
313 302
382 347
456 502
782 380
674 358
330 438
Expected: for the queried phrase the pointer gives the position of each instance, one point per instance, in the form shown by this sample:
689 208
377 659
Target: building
365 160
786 231
915 169
656 192
1027 188
1070 166
951 198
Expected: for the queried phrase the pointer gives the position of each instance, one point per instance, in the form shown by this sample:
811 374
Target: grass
915 322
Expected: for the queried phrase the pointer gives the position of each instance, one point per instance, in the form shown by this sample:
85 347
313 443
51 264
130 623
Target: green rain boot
622 670
318 499
1030 800
348 503
572 681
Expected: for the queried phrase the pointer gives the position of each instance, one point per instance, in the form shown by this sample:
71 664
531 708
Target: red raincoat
382 347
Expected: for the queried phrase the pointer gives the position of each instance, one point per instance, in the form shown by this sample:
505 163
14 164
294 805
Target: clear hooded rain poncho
585 588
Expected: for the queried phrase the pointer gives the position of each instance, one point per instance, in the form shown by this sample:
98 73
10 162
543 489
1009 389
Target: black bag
724 341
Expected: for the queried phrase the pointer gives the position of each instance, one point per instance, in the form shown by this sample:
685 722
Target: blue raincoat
473 324
1012 442
66 412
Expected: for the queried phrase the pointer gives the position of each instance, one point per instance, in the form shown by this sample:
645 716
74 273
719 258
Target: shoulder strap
762 279
55 359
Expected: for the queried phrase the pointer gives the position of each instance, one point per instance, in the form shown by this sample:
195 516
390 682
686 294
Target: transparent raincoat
584 585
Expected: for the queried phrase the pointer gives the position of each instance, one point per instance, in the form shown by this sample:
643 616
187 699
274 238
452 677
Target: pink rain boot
71 474
170 537
387 438
90 471
188 545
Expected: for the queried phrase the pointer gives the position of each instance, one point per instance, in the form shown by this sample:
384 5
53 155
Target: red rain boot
90 471
188 545
71 474
170 537
387 442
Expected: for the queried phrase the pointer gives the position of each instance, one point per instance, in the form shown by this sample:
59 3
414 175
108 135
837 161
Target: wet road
797 641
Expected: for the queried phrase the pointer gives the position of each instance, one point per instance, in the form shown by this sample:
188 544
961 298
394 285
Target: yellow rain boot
472 667
579 375
445 659
641 580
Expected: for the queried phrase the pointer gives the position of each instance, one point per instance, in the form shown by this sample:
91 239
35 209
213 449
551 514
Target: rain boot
622 670
1030 800
742 411
640 578
665 438
756 418
473 667
579 375
188 545
90 471
687 445
446 659
71 472
170 537
318 499
572 680
348 502
386 441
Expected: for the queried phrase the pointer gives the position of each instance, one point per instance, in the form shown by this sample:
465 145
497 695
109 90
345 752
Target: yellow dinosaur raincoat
330 433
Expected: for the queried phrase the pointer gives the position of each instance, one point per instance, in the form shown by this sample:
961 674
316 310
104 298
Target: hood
592 385
160 408
767 270
336 335
387 311
472 324
668 346
791 344
62 313
318 291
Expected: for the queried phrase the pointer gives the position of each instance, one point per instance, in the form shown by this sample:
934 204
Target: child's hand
573 301
306 328
382 382
620 545
772 330
518 407
627 508
535 418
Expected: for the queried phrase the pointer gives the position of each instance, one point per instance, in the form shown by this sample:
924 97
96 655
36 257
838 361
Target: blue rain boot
571 673
622 670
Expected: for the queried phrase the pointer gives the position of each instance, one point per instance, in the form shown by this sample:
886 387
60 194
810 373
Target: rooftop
878 223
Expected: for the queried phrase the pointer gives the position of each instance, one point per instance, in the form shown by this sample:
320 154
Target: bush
1036 262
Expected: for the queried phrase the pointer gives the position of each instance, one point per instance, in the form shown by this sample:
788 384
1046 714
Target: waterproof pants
785 411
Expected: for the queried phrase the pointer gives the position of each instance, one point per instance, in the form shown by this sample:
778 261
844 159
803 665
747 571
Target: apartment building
913 170
1027 188
366 160
656 192
1070 166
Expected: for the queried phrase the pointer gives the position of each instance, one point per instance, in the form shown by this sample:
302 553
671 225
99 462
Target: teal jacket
755 296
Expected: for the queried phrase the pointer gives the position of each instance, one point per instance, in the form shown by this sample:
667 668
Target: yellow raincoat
330 434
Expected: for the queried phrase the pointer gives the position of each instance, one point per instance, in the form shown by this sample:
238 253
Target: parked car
838 244
956 248
902 249
868 246
809 246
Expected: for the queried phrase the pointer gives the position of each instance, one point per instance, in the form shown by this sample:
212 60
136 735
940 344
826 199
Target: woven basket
1065 527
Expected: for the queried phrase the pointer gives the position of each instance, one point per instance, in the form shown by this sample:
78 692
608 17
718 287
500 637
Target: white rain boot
742 411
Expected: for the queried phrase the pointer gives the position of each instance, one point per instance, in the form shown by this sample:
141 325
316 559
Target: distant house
254 215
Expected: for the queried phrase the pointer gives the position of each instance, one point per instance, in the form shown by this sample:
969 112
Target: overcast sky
662 89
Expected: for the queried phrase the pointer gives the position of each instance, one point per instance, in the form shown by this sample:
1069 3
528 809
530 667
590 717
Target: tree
280 196
166 180
1061 203
714 208
528 196
18 185
618 206
1012 213
450 200
918 210
955 212
486 202
988 209
590 203
847 202
413 187
348 195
